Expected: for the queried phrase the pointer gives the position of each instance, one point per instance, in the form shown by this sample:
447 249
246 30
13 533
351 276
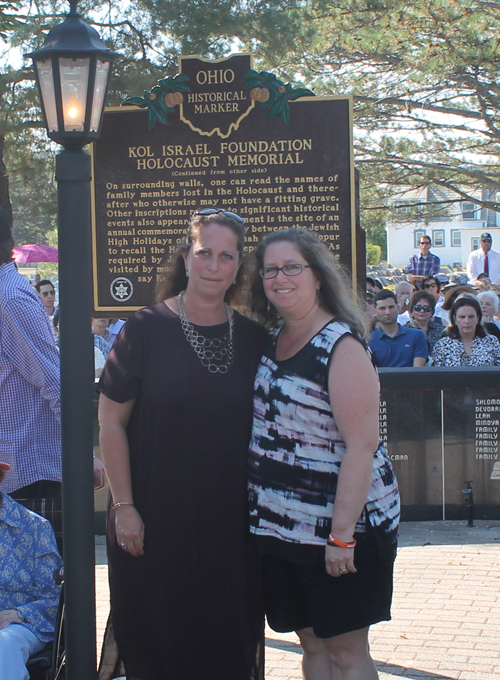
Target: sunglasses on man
48 292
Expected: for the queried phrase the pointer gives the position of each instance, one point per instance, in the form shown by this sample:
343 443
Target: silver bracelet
117 505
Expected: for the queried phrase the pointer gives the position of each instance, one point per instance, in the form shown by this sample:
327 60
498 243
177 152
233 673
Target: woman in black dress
176 415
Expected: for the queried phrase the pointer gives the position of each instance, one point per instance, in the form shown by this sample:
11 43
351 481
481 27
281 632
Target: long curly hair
173 278
335 294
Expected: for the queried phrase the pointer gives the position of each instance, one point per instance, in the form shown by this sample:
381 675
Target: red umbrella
35 252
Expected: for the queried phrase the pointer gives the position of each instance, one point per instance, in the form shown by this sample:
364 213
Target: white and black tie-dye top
296 451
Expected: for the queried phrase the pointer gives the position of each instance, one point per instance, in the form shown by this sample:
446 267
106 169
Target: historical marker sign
277 161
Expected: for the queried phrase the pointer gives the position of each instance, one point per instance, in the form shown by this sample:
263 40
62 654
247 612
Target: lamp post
72 70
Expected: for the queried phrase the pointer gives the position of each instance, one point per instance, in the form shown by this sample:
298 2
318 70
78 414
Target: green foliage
279 93
155 99
373 222
50 270
423 75
29 155
32 186
374 252
9 21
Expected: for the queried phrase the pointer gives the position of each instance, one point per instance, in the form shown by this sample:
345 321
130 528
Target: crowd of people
241 482
426 321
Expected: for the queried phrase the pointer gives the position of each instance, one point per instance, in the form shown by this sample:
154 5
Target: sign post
218 134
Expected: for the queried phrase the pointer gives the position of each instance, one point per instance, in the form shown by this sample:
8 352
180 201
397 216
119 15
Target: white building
454 231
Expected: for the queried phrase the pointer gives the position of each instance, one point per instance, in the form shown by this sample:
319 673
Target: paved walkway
446 608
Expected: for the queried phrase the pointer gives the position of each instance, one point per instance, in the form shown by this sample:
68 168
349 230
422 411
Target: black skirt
299 595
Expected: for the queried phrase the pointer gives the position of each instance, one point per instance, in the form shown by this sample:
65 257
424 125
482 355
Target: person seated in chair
29 596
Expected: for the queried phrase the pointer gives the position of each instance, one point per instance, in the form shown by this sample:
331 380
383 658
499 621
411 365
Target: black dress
190 607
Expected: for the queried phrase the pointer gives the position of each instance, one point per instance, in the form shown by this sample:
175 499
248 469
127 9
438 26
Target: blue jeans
17 644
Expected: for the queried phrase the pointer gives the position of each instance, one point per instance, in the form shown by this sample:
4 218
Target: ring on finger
343 570
123 544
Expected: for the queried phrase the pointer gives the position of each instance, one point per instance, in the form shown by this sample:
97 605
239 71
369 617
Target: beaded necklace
217 354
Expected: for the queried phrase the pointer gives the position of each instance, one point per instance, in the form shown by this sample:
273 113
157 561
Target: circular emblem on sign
121 289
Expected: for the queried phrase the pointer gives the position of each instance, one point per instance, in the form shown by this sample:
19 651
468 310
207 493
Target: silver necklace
217 354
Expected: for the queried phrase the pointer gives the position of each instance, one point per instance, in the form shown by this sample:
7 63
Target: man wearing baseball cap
30 432
29 595
484 260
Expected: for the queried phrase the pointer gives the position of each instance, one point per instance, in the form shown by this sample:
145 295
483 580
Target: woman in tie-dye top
321 487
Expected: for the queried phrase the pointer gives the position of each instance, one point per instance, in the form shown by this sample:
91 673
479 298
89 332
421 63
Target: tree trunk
4 181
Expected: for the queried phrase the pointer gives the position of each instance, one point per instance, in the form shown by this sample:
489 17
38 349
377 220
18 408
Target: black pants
42 489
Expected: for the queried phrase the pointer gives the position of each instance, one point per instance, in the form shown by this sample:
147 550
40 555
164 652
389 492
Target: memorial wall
438 441
441 438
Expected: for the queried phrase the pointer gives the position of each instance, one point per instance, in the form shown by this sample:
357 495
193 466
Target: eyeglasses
430 285
48 292
293 269
422 308
214 211
425 243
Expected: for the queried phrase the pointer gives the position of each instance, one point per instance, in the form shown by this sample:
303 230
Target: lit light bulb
73 108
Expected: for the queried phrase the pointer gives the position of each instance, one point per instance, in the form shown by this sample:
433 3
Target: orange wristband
331 540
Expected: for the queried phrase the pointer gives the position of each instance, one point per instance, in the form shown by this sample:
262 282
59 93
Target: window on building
469 210
402 207
411 208
438 238
456 238
417 235
474 243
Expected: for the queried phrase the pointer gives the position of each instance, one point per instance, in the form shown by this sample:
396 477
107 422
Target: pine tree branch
481 177
410 104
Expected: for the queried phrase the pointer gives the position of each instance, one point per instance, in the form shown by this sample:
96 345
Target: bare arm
419 362
113 419
354 396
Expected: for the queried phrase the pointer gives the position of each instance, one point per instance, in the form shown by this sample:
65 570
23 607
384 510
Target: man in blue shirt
30 412
393 344
30 432
29 596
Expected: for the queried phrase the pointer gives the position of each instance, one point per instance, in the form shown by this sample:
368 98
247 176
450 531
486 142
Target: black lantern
72 71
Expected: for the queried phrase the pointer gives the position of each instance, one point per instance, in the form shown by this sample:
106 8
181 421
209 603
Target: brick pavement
446 608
